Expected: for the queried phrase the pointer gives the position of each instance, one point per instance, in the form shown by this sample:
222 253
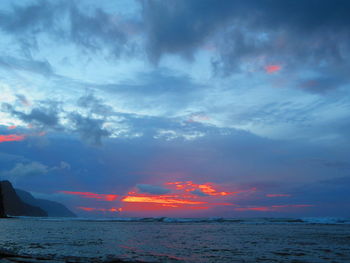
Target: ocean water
177 240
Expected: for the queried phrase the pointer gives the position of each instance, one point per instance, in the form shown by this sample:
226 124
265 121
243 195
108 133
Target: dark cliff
14 206
2 209
54 209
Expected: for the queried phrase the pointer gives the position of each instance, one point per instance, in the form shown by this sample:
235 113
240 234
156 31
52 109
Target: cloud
65 21
182 26
253 34
89 128
62 166
322 85
27 169
272 68
101 197
94 105
45 115
199 192
11 138
23 99
152 189
35 66
97 31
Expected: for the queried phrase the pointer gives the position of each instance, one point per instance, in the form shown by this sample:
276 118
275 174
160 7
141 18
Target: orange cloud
11 138
12 127
184 196
206 189
159 200
103 197
272 68
91 209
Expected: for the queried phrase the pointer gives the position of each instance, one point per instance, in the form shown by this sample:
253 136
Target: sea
57 240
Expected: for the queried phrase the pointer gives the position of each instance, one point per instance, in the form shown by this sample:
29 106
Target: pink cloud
11 138
272 68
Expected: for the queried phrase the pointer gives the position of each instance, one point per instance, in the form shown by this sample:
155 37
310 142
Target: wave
302 220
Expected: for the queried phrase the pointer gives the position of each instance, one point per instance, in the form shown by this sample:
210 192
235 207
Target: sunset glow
272 68
11 138
102 197
159 200
90 209
207 188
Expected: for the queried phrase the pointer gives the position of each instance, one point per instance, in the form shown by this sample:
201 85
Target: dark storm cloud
296 34
182 26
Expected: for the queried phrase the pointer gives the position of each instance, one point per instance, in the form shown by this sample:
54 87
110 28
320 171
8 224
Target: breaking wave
302 220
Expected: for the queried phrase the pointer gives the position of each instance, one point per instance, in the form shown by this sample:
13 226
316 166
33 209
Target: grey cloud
62 166
182 26
152 189
93 32
44 116
32 18
159 89
27 169
64 21
94 105
89 128
295 34
23 99
36 66
321 85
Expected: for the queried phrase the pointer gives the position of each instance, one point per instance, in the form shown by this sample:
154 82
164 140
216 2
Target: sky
187 108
